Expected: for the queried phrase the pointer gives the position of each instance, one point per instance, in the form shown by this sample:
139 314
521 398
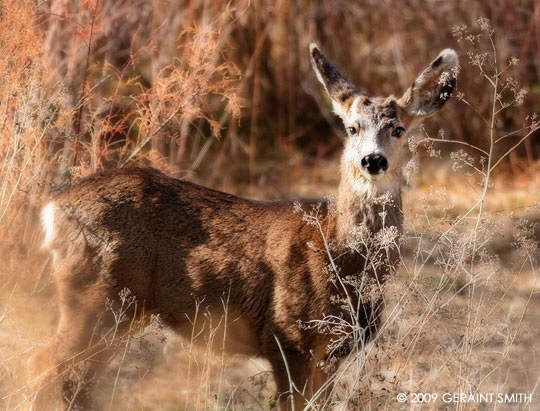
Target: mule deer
173 243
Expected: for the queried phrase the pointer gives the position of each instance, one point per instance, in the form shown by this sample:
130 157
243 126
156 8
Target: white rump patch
47 219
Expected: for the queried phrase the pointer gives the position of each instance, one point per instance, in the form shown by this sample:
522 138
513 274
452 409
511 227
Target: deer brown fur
175 244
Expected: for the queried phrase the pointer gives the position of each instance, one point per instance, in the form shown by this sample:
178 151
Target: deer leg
308 376
318 382
290 376
65 369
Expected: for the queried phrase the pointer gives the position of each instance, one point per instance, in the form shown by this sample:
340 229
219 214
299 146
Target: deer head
378 127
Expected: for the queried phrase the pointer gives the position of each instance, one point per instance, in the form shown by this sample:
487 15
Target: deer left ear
433 86
338 87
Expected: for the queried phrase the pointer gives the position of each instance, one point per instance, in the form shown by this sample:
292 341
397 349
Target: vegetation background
222 93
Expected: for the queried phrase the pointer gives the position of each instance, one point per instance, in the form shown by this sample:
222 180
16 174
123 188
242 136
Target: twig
83 91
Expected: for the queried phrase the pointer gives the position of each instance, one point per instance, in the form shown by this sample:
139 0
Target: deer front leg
299 380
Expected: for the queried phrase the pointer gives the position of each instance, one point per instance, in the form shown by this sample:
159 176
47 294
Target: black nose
374 163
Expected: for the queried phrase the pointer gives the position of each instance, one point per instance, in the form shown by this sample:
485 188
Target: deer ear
338 87
433 86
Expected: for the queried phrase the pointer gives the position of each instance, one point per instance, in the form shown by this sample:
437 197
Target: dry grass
99 83
156 379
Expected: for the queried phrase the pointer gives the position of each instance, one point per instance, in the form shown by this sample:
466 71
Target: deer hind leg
64 370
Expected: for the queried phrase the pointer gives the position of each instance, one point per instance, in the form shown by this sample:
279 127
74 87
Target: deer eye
352 130
398 132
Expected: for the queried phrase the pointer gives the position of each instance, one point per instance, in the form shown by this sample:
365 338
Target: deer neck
362 204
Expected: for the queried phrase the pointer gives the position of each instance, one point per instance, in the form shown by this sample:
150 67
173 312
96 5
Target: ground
427 348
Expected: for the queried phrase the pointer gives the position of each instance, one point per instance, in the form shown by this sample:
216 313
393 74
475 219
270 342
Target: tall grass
100 83
456 314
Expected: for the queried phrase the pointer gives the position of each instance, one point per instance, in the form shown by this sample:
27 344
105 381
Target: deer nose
374 163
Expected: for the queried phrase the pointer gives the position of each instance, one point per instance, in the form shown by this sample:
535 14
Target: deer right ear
433 86
338 87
